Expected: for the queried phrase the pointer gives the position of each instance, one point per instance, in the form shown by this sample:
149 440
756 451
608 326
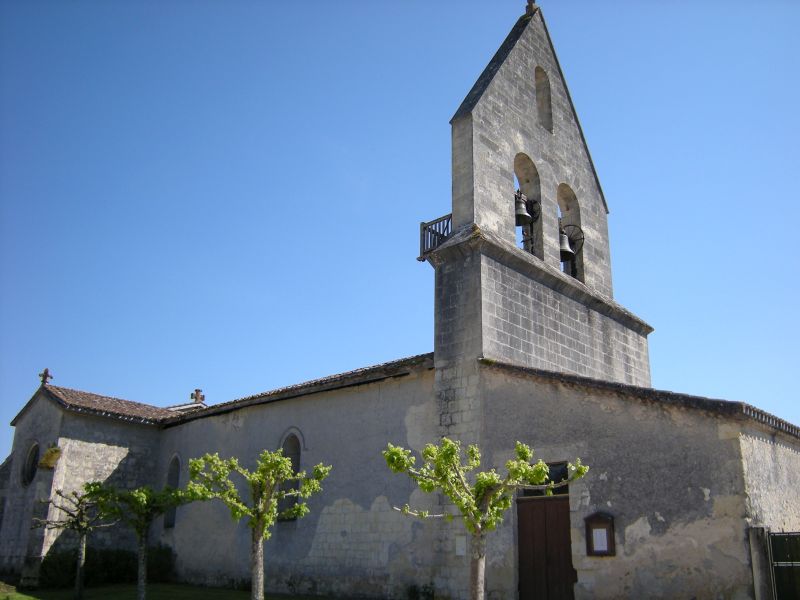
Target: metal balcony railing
433 234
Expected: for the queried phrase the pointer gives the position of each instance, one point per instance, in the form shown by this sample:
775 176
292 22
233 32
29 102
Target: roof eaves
728 408
139 420
28 404
357 377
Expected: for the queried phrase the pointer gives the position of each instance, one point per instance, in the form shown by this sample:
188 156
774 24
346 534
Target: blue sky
226 195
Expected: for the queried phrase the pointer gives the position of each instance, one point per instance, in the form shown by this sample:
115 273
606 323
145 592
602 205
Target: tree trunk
256 565
477 568
80 566
141 580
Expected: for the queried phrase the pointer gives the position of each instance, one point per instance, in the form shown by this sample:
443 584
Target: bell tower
523 271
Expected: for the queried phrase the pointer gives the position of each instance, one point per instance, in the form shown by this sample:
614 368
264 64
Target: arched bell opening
570 233
528 206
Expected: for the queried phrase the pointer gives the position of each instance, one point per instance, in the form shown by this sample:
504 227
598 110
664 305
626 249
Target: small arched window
544 107
527 180
31 465
291 450
569 225
173 481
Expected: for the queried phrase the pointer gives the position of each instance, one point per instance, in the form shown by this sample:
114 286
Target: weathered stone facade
352 539
771 466
523 350
671 476
39 426
92 448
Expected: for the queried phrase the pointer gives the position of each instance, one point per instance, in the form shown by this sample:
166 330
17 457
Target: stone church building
528 345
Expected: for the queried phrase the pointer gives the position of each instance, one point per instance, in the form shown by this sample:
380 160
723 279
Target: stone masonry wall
503 123
670 476
352 541
527 312
103 449
530 324
772 477
461 417
41 424
457 310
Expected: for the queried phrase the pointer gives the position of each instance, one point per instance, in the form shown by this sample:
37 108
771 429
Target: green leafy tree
79 513
481 497
272 481
138 508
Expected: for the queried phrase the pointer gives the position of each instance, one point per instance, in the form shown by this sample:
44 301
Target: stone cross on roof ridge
45 376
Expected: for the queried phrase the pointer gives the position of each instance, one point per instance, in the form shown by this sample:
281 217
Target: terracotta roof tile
106 405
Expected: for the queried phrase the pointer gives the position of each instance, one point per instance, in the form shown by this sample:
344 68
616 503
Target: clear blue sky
226 195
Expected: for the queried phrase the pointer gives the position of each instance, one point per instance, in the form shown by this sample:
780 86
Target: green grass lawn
156 591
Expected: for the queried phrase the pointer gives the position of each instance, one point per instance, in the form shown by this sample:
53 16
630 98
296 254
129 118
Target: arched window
569 225
31 465
543 105
291 449
173 481
527 179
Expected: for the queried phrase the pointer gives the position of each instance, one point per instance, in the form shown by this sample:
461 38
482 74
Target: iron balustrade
433 234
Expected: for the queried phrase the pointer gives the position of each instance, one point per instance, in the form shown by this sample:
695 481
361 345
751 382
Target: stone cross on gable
45 375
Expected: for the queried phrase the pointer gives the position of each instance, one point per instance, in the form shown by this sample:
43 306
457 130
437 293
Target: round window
31 464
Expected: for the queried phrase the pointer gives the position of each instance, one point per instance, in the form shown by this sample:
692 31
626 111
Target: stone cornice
471 239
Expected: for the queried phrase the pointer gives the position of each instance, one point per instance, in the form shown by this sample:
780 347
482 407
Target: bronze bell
567 253
521 214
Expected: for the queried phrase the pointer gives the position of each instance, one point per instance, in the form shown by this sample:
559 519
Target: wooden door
545 552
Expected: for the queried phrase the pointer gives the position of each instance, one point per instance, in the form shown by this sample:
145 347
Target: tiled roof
365 375
106 405
137 412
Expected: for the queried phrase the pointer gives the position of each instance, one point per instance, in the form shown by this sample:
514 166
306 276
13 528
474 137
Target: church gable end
520 107
525 277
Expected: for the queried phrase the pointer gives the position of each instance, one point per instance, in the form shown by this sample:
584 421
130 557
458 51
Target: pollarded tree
80 514
272 480
138 508
482 498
